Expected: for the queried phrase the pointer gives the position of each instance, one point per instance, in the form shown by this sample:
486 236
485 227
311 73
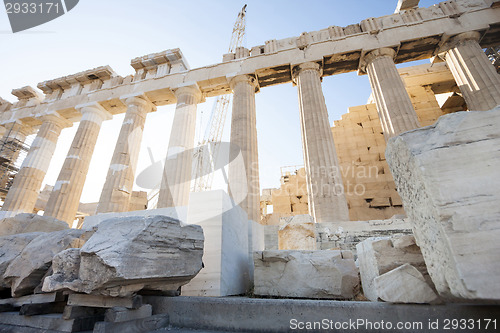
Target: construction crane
208 147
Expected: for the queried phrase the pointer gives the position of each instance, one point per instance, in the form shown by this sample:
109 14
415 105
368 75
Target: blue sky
112 32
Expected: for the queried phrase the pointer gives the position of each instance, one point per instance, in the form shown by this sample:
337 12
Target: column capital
456 40
94 108
297 69
57 119
372 55
189 89
249 79
140 100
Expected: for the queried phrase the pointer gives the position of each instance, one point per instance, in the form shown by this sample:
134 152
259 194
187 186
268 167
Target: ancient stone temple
396 203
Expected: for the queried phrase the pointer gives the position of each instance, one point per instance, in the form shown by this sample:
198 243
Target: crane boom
203 165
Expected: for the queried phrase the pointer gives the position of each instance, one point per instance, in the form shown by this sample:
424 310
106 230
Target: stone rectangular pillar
394 107
327 200
244 185
475 75
65 197
24 192
176 179
117 190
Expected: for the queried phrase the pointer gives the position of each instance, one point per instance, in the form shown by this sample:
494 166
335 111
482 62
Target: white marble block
448 176
226 263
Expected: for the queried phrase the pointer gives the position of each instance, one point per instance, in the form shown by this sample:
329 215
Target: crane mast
208 150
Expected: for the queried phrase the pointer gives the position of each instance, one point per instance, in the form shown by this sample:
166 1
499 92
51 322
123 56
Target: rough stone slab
240 314
11 247
379 255
297 233
26 271
119 314
133 302
404 284
448 176
25 223
33 299
47 322
306 274
129 254
133 326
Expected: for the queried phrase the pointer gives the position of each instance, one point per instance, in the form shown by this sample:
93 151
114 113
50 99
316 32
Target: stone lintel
406 4
26 93
102 73
150 61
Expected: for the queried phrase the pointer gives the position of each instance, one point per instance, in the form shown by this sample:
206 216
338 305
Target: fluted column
117 190
65 197
176 180
15 136
244 179
473 71
24 192
394 106
327 201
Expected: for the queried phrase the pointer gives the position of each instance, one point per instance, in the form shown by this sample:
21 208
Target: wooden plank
73 312
117 314
33 299
43 308
97 301
140 325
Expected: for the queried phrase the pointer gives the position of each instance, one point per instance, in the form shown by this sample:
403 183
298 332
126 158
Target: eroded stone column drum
117 190
176 180
65 197
394 106
244 178
475 75
24 192
327 201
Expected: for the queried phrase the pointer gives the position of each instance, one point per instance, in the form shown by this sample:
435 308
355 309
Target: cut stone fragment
128 254
307 274
24 223
404 284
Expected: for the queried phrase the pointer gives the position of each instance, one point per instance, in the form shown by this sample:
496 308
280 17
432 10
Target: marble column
65 197
473 71
24 192
117 190
176 180
327 200
244 185
15 136
394 106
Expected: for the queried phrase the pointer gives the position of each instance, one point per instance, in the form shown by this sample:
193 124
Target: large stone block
297 233
379 255
328 274
26 271
226 255
129 254
10 248
25 223
448 176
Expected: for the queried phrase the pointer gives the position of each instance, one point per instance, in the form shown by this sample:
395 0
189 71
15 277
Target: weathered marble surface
448 176
325 274
297 233
25 223
129 254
